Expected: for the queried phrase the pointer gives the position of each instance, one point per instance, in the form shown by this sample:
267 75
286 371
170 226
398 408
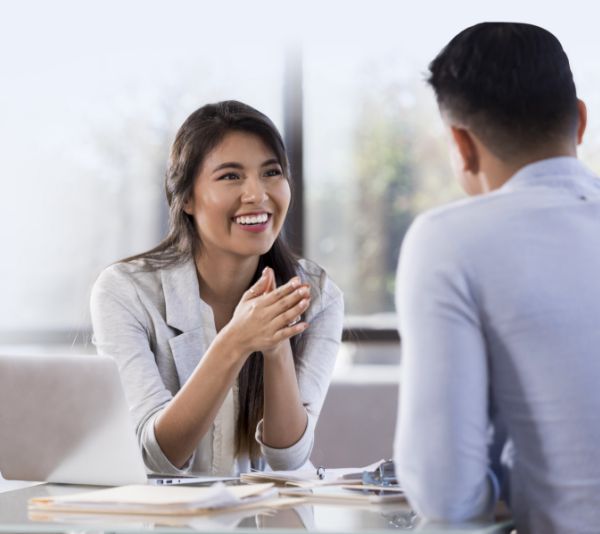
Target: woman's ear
188 205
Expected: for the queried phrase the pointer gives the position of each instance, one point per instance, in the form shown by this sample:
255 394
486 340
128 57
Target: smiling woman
241 188
225 341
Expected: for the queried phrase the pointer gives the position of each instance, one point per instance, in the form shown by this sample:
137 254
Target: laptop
64 419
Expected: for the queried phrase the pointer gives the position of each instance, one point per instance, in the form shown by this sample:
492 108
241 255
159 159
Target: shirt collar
563 170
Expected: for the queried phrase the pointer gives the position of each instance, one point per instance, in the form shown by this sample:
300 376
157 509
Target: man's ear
582 110
466 148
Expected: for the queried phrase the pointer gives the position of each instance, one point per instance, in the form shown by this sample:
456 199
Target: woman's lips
254 227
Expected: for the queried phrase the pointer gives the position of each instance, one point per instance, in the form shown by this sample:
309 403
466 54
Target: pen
321 472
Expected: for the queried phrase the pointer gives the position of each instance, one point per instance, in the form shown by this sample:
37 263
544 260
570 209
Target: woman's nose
254 190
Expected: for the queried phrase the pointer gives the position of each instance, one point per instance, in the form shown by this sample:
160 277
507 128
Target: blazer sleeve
319 347
122 331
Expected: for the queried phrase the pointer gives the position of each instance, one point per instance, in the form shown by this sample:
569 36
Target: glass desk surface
15 518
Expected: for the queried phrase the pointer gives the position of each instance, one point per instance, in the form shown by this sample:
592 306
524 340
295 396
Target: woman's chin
253 251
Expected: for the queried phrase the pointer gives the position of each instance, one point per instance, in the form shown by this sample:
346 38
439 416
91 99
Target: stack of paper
309 478
159 500
356 494
341 486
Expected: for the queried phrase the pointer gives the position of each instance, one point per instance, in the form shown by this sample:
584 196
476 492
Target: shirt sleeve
121 332
441 447
319 348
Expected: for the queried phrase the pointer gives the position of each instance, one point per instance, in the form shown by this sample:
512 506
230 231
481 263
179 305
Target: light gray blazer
157 327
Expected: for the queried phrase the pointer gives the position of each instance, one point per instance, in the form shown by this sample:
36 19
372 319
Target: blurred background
92 92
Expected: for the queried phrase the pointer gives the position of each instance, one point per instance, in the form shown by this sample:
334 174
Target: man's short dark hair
510 83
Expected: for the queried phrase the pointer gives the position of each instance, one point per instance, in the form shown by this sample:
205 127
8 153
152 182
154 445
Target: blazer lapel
185 311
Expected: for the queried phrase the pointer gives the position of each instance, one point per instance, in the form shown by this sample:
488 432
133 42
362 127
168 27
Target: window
90 102
92 95
376 151
376 157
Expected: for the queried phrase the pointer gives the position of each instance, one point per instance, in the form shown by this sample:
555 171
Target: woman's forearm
189 416
284 417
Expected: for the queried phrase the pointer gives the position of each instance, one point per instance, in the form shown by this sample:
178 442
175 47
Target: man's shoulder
461 218
462 229
481 207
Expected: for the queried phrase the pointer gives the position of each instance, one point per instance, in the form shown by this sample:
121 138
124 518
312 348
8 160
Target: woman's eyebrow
228 165
236 165
272 161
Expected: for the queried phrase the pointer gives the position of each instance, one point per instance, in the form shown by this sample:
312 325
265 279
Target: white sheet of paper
157 499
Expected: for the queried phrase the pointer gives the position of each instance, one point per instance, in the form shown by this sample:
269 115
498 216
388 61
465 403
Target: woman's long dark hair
202 131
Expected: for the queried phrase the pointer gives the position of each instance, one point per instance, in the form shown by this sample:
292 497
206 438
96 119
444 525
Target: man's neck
496 172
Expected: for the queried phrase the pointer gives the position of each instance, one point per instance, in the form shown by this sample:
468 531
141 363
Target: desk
14 518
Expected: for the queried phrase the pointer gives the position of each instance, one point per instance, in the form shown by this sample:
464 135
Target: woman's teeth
252 219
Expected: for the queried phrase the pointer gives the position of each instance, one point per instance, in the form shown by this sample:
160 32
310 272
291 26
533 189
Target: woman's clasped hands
268 315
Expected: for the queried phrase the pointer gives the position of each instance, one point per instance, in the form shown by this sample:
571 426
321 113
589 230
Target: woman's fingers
259 288
270 276
289 317
290 331
296 320
276 312
266 284
289 300
282 291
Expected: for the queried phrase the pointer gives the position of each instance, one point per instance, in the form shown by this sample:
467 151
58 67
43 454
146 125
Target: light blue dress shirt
498 299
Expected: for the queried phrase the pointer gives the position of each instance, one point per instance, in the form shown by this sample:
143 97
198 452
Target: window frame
293 119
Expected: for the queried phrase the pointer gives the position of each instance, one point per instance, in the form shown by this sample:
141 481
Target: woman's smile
253 222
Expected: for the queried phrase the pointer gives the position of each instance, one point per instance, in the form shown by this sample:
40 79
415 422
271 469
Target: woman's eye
229 176
273 172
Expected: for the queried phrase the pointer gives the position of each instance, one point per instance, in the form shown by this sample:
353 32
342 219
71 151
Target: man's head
510 86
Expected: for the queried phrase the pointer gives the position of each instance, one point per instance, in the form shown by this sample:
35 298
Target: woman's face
240 197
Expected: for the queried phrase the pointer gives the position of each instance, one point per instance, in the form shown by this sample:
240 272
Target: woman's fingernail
295 281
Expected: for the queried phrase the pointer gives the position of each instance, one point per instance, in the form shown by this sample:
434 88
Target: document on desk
159 500
309 478
353 494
